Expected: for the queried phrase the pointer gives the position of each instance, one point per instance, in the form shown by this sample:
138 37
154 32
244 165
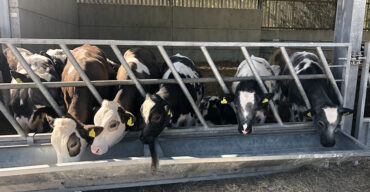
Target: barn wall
44 19
171 24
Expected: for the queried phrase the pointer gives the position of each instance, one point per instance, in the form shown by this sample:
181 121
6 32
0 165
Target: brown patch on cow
73 145
12 60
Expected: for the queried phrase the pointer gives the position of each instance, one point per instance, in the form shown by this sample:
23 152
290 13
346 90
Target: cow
169 107
217 111
250 101
29 106
58 57
80 102
325 110
12 60
70 138
123 113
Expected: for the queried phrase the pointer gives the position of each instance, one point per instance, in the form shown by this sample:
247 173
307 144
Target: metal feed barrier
27 162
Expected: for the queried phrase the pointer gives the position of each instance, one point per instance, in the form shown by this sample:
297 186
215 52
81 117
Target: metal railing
362 128
161 47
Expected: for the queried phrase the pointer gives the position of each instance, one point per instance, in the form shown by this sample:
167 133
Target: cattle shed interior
196 153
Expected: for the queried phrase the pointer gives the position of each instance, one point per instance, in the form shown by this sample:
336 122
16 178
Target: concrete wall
171 24
44 19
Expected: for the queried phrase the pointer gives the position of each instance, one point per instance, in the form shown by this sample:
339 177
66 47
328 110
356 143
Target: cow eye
156 117
114 124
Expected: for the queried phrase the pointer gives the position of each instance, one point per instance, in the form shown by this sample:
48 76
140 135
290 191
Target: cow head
248 102
326 119
156 115
70 138
42 118
218 110
114 119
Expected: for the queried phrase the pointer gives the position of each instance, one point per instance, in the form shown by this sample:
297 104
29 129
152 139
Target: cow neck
318 96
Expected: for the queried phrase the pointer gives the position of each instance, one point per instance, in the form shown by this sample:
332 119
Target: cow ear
20 78
93 130
126 117
266 97
345 111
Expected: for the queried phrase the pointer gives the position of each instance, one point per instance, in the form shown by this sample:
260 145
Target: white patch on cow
63 128
105 117
185 119
331 114
245 98
71 69
140 67
181 69
57 53
179 55
263 69
245 126
146 107
23 121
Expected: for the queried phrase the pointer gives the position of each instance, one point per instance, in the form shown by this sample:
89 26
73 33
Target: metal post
260 83
182 85
348 28
11 120
215 70
292 72
5 31
81 73
329 74
360 129
125 65
36 79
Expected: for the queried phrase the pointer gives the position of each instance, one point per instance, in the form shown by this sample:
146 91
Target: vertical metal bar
82 74
182 85
36 79
297 82
11 120
329 74
360 129
260 83
128 69
349 24
215 70
5 31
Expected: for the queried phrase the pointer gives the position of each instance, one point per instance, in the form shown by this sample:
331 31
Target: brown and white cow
80 102
12 60
124 111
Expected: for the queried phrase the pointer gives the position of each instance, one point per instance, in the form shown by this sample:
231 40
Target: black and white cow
169 106
216 110
325 111
250 102
29 106
123 113
58 57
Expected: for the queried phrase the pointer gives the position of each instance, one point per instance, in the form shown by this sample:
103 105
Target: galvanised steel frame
160 45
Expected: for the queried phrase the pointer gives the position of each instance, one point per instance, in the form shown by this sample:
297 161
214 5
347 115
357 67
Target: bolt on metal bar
261 84
11 120
215 70
36 79
125 65
297 81
81 73
329 74
182 85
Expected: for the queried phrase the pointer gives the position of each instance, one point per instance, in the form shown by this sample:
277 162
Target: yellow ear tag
169 113
345 114
309 114
92 133
129 122
224 101
265 100
19 80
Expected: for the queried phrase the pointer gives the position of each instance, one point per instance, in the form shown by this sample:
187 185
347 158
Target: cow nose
95 150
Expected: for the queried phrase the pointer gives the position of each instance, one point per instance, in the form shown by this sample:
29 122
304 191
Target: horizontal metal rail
168 43
150 81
